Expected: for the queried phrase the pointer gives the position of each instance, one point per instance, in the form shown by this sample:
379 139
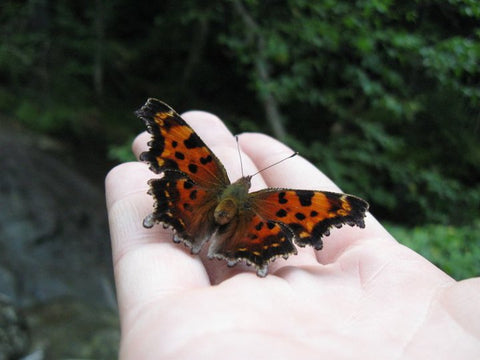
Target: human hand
362 296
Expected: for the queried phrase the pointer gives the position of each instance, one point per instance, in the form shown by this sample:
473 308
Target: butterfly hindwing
309 214
254 240
176 146
184 206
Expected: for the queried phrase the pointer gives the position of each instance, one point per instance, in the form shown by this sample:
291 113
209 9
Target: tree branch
270 104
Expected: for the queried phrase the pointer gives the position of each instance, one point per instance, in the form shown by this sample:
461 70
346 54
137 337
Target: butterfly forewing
176 146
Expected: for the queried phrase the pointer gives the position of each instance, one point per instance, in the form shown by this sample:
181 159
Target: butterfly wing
309 214
186 195
176 146
184 206
253 239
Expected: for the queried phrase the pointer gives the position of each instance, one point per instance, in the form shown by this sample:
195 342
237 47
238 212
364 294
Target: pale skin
363 296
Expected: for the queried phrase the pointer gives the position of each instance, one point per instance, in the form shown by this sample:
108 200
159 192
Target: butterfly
196 199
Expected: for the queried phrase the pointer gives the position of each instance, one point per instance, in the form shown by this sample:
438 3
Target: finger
301 174
139 144
145 264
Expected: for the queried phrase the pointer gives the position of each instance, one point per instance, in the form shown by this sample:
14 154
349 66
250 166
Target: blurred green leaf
455 250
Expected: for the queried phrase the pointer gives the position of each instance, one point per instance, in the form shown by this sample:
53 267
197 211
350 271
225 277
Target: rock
53 227
55 256
36 355
7 283
71 329
14 339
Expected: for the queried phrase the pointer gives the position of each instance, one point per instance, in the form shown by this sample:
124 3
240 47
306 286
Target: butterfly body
196 199
232 201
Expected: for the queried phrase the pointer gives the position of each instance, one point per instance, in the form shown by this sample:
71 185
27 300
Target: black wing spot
270 225
179 155
193 195
305 197
187 185
300 216
174 144
259 226
193 141
206 159
281 213
193 168
281 198
313 213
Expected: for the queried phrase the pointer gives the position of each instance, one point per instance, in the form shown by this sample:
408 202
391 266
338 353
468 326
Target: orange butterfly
197 200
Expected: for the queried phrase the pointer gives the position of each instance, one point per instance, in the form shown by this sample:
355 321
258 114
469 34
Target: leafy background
382 95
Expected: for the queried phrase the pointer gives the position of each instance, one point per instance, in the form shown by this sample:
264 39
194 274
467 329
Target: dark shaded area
54 249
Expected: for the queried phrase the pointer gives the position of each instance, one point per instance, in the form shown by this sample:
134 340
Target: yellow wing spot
159 117
256 253
345 204
277 244
265 247
160 161
181 222
242 249
342 212
166 193
159 120
304 234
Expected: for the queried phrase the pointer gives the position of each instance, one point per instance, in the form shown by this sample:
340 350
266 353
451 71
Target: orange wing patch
253 239
184 206
309 214
175 146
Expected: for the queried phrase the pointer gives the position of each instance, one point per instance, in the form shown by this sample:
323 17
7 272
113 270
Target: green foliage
382 95
455 250
381 90
122 152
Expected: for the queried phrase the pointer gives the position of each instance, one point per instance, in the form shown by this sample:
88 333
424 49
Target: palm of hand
364 295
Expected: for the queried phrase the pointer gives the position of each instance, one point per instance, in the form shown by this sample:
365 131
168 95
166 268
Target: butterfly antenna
239 154
276 163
